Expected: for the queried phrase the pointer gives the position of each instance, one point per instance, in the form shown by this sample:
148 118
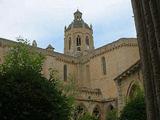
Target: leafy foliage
111 115
87 116
68 88
135 108
24 93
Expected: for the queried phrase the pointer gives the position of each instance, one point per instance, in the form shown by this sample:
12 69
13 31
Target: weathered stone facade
127 82
96 71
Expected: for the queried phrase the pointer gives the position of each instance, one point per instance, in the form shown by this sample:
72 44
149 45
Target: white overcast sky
44 20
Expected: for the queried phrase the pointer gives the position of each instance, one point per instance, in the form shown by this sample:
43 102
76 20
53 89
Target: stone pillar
120 97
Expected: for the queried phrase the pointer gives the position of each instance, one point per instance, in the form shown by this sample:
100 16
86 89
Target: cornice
96 92
123 42
97 100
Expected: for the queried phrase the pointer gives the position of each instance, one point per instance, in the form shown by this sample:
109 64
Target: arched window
87 41
110 107
78 40
134 91
79 111
103 62
97 113
69 43
65 72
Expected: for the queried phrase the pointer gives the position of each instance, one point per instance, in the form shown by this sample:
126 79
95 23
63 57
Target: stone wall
119 56
125 82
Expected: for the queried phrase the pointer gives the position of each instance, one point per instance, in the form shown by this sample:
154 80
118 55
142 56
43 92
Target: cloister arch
97 112
110 107
80 110
132 90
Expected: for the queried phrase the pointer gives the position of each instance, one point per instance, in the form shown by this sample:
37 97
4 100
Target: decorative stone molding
98 101
90 91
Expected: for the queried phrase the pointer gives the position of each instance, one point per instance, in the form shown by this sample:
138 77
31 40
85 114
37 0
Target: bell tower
78 36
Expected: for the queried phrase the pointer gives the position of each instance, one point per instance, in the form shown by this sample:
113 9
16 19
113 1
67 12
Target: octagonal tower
78 36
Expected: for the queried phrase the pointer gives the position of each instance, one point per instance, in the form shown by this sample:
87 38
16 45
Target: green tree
112 115
87 116
25 94
68 88
135 108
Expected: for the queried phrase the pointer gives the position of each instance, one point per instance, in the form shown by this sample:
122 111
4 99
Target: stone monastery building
105 76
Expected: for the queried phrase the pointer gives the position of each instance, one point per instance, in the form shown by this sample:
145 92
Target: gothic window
78 18
65 72
96 113
87 41
69 43
103 62
133 91
79 112
78 40
110 107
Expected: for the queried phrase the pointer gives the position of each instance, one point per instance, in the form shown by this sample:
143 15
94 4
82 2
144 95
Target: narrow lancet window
87 40
65 72
78 41
103 65
69 43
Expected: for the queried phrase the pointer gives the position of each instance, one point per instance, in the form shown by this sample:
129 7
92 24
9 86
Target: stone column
120 97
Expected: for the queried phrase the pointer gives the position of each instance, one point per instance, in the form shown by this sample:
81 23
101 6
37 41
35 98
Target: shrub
87 116
135 108
111 115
